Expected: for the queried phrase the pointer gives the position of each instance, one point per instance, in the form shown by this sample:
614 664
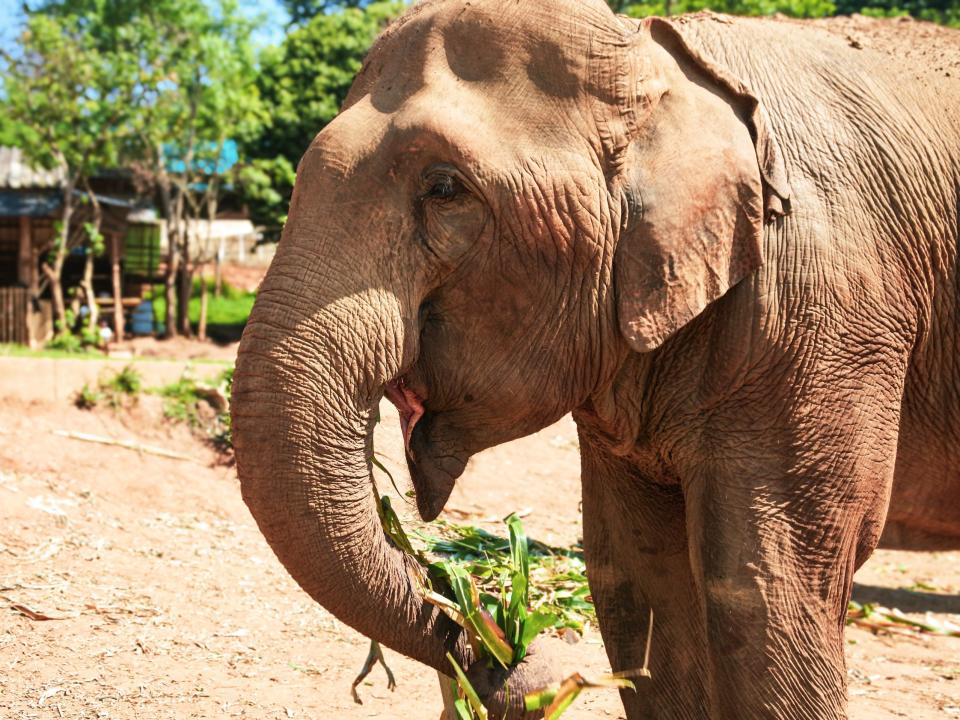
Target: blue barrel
141 319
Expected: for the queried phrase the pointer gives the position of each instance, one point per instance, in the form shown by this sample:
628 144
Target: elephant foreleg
777 525
637 558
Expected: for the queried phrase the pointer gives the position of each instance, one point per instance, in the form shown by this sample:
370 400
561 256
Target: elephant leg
637 557
778 521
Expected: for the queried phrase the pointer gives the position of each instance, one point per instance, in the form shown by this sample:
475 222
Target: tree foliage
69 104
302 11
11 131
103 84
302 83
68 99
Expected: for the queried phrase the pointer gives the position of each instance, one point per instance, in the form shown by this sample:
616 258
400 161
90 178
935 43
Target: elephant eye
443 187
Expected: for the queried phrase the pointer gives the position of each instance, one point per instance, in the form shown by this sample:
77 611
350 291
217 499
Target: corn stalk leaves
445 604
516 614
394 530
468 692
478 621
556 698
556 579
463 710
533 625
877 618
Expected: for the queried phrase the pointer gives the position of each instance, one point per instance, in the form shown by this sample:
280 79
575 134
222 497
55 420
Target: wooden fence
14 315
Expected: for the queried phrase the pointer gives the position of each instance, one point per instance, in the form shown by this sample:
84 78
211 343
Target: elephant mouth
410 406
434 474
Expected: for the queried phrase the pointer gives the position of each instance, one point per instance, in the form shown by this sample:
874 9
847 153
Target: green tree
946 12
303 82
68 107
11 131
303 10
196 71
207 96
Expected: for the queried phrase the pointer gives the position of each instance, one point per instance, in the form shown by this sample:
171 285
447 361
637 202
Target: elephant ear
703 174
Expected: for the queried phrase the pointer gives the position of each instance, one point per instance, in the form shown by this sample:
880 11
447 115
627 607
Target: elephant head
513 198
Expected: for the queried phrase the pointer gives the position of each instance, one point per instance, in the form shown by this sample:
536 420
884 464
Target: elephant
727 246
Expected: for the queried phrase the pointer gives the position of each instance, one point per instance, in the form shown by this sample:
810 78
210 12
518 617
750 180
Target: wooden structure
28 208
15 315
30 202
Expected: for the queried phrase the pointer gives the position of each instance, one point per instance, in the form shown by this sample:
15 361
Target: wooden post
117 286
27 275
25 253
218 270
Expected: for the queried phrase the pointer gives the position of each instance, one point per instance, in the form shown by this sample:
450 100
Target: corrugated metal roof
16 172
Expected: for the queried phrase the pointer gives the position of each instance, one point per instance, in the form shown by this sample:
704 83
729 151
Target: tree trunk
204 301
183 277
170 294
54 273
116 281
218 270
186 292
91 242
86 284
204 295
173 258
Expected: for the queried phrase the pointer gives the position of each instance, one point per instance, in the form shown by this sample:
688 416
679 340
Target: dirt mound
920 43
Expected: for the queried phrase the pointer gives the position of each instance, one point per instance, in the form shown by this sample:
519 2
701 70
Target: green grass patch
231 309
55 353
204 406
116 388
22 351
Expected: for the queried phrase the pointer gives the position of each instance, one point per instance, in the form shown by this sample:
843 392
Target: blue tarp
203 163
33 203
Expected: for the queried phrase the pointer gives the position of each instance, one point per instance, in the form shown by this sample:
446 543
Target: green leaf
463 711
556 698
467 689
380 466
519 584
534 624
394 529
486 631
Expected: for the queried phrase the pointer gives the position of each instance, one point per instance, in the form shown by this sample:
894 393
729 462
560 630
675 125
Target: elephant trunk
305 385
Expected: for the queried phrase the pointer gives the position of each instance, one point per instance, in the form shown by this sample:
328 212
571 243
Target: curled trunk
306 381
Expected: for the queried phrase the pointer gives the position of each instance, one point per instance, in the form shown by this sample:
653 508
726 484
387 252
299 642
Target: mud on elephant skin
732 259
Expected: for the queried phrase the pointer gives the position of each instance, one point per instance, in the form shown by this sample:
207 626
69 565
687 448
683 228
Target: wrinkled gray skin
728 246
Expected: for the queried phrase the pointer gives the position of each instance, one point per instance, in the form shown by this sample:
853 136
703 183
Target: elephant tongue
409 405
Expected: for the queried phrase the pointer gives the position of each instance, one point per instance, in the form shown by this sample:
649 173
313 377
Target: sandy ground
167 603
174 348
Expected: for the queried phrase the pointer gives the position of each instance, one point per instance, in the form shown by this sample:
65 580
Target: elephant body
821 395
728 246
871 145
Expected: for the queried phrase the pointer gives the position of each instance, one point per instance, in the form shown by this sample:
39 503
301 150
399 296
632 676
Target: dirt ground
923 44
166 602
178 348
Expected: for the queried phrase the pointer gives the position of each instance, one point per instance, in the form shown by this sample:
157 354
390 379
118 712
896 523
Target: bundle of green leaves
496 614
500 626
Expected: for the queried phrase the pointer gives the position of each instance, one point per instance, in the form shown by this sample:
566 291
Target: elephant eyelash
443 188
